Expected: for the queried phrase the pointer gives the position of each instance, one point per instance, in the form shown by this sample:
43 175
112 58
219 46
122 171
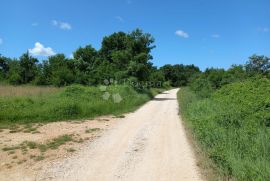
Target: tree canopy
123 56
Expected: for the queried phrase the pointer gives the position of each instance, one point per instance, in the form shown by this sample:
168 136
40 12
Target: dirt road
149 144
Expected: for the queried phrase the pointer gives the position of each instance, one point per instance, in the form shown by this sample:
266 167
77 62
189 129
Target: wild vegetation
26 90
229 115
120 68
73 102
228 111
122 57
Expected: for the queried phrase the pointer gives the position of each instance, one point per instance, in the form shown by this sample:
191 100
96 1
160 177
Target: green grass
233 127
71 150
11 148
55 143
72 102
92 130
52 144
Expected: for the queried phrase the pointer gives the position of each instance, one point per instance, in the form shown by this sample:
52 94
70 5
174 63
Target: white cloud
34 24
61 25
40 50
54 23
265 29
1 41
119 19
182 34
215 36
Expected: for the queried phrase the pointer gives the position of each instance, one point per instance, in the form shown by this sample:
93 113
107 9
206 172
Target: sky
207 33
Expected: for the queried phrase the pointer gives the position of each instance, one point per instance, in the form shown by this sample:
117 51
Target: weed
33 156
11 152
92 130
55 143
42 147
39 158
120 116
10 148
71 150
31 144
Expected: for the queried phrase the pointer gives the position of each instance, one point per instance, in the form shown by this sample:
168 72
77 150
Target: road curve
147 145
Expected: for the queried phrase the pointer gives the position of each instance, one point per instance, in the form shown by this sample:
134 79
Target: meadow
232 126
26 90
71 102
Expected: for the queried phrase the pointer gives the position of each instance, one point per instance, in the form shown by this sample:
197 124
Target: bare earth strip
149 144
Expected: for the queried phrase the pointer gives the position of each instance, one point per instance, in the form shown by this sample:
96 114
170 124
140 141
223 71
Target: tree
179 74
113 43
3 66
28 68
258 65
128 54
13 74
141 43
60 72
84 62
234 73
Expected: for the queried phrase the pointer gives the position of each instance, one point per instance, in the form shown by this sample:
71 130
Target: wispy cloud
40 50
215 35
62 25
34 24
265 29
129 1
1 41
119 19
182 34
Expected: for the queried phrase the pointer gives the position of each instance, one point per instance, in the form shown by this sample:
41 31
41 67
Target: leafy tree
3 66
141 43
258 65
113 43
28 68
234 74
179 74
84 62
60 72
13 75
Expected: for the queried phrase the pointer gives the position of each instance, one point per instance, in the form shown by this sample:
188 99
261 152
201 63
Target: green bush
233 127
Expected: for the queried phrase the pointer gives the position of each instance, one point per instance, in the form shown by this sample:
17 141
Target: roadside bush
233 127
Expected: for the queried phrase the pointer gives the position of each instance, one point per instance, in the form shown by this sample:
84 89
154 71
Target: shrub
233 127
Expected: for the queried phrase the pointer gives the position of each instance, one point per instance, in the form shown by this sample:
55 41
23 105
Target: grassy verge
232 127
73 102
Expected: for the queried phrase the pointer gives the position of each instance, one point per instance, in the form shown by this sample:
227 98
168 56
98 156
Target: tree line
122 56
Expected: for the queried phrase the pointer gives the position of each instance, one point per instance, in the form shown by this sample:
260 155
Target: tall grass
73 102
26 90
233 127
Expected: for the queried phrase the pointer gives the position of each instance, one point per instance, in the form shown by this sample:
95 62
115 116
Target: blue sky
207 33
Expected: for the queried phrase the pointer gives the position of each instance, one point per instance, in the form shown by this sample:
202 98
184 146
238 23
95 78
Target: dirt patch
24 148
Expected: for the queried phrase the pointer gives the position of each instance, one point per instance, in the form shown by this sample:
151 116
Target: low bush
232 125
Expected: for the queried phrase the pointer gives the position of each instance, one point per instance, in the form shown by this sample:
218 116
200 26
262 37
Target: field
34 104
26 90
232 127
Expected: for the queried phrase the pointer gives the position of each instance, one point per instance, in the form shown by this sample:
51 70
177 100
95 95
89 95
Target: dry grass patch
9 90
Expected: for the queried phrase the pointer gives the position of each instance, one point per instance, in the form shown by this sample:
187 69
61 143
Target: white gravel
149 144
